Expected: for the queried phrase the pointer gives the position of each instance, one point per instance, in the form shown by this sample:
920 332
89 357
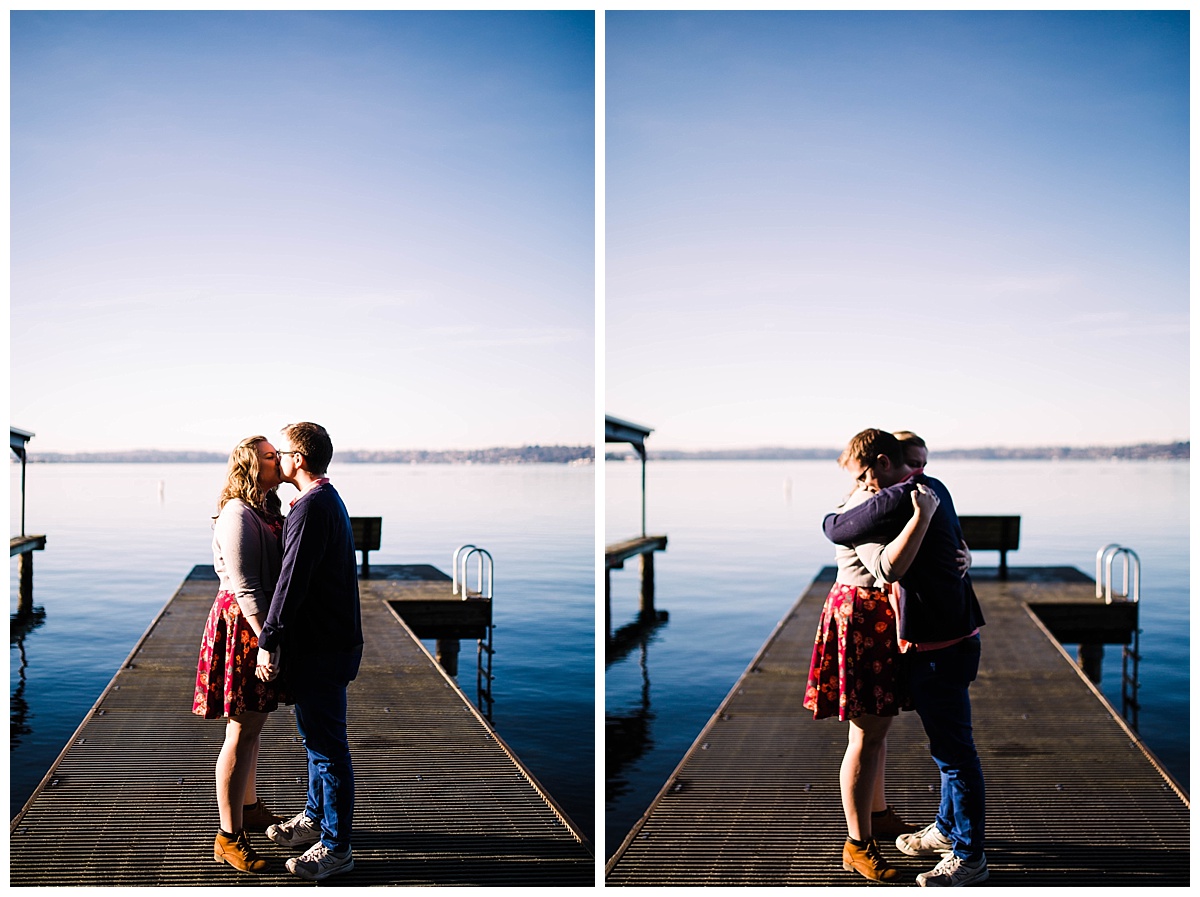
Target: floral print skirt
225 680
855 667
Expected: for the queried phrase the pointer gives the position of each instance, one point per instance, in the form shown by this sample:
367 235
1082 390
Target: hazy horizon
615 447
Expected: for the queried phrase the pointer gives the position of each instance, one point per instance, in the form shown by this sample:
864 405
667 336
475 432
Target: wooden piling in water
23 547
616 555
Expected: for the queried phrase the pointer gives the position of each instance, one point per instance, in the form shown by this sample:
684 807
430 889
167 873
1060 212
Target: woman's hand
268 666
925 500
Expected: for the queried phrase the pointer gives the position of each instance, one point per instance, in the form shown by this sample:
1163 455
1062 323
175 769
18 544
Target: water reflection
20 626
627 736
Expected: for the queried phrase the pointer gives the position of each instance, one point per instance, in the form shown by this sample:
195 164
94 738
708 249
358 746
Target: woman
855 674
247 555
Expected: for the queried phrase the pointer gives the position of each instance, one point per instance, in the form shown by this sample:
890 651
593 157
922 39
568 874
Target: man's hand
964 559
268 665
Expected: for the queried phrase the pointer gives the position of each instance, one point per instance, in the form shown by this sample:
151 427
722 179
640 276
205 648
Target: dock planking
1074 797
440 799
422 595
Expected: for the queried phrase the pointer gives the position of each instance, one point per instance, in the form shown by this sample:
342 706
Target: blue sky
971 225
225 222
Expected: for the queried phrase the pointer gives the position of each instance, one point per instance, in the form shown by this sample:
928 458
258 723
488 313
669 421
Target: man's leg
940 682
314 801
321 720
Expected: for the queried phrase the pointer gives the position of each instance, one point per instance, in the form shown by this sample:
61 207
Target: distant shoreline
1169 451
529 454
559 454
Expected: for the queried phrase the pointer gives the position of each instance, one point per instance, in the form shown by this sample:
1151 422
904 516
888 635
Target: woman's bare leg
251 795
879 802
235 766
860 770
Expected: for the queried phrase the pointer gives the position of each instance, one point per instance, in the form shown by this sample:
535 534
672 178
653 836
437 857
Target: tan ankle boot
238 853
258 818
889 823
867 861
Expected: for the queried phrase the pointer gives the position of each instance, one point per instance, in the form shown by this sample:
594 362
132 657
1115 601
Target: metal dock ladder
1130 653
483 591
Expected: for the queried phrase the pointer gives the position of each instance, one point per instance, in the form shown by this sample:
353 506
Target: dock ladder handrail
484 648
1130 654
1105 557
462 557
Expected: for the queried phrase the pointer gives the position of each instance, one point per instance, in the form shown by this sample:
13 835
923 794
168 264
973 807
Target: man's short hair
908 437
867 446
313 443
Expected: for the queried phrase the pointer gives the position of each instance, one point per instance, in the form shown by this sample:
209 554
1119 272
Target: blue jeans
939 681
321 722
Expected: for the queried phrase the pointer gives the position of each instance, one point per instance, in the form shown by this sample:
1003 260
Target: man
916 456
313 633
916 453
939 619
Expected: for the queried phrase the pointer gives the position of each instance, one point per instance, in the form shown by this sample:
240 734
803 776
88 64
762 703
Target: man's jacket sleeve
879 519
303 547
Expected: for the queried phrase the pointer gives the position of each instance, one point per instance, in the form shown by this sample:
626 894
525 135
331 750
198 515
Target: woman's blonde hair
241 480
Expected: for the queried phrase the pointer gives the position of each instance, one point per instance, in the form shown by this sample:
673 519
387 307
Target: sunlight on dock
1074 796
441 800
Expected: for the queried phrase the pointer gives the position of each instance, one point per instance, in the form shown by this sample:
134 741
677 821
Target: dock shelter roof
617 430
17 440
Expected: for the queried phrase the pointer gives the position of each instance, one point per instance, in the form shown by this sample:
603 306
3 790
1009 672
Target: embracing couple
900 631
285 627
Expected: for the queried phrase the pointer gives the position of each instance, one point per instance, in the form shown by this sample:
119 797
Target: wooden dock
615 556
422 596
22 547
440 799
1073 796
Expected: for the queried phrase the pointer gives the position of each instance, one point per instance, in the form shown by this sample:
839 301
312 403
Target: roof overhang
617 430
17 439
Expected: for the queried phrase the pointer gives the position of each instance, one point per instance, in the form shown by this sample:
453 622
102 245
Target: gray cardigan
246 555
865 564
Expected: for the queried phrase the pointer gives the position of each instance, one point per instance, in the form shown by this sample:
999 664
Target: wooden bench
1000 534
366 539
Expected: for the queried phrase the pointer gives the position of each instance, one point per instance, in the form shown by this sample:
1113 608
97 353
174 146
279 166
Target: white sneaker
954 872
299 831
929 841
320 862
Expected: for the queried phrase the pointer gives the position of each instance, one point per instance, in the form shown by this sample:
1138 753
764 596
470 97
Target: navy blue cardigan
937 603
314 612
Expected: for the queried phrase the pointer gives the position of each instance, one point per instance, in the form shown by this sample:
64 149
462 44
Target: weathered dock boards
23 544
424 599
1073 797
618 553
440 799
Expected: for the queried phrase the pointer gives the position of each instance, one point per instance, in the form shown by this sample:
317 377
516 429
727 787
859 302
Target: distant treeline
566 454
1145 451
526 454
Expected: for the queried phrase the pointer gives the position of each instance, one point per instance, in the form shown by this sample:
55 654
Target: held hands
268 665
925 500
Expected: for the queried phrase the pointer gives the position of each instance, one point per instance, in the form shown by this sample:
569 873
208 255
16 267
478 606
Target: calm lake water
744 541
122 537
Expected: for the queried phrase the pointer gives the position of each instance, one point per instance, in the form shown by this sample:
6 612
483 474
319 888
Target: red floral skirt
855 667
225 680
